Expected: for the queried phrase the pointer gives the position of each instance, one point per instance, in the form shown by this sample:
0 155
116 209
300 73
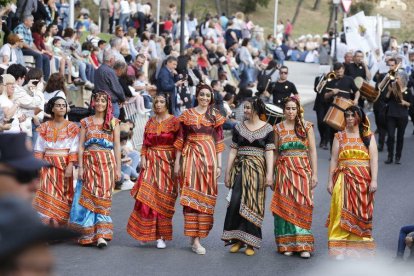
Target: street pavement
125 256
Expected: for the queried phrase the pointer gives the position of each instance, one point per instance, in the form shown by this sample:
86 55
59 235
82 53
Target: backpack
263 80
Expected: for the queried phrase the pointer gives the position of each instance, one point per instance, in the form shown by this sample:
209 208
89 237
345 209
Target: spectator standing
104 13
24 9
288 30
125 14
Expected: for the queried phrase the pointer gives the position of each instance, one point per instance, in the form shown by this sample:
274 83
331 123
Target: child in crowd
144 99
93 58
63 60
129 172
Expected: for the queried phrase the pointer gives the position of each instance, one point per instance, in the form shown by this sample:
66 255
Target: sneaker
89 85
340 257
305 255
200 250
288 253
161 244
127 185
101 243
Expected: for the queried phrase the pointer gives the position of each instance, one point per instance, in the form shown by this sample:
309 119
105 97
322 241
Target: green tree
249 6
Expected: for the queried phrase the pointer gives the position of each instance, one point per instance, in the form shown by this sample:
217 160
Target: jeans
399 124
82 70
136 158
128 170
123 21
42 61
404 231
90 72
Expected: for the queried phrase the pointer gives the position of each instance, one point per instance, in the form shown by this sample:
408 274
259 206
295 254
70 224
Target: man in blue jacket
167 82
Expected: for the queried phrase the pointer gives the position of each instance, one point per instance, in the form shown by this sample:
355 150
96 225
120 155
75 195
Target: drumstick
343 91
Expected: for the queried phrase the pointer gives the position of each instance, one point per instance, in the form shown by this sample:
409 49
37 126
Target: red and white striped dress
59 147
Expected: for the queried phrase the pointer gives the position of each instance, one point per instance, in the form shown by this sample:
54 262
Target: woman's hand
227 180
314 181
330 187
143 164
269 181
177 170
69 170
118 174
373 186
218 172
80 173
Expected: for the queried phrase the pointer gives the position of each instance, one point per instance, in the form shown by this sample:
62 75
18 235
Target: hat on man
14 153
8 79
20 228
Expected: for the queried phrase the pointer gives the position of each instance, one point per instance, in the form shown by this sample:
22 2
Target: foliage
367 7
4 2
249 6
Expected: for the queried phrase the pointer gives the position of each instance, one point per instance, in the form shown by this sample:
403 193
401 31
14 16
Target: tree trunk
316 5
300 2
218 7
227 8
331 17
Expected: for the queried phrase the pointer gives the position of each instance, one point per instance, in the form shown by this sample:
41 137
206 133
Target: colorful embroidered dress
93 196
155 191
200 139
352 205
59 147
292 203
245 212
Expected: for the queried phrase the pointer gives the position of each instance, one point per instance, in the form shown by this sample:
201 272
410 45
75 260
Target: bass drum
366 90
274 114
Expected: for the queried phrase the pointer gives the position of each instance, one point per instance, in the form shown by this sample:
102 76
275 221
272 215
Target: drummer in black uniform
358 69
282 88
342 86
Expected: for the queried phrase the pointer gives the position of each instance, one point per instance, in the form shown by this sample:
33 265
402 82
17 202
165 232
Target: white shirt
5 102
125 8
8 51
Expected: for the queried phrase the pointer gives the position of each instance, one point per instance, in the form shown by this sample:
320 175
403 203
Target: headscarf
108 112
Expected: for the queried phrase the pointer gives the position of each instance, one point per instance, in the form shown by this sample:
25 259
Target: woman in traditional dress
296 177
57 143
352 183
99 168
156 190
249 171
200 144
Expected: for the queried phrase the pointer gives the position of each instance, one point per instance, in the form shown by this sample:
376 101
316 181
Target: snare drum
274 114
366 90
335 116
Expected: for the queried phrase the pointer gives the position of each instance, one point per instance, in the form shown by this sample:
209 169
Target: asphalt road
124 256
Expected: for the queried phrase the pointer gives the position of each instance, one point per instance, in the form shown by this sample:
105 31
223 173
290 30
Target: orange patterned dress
292 203
200 139
59 147
352 205
155 191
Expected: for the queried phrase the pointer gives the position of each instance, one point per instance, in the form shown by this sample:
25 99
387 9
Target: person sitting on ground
404 240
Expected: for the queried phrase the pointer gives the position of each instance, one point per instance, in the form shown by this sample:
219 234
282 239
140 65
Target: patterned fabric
25 32
59 147
352 205
292 202
155 191
245 212
95 195
197 224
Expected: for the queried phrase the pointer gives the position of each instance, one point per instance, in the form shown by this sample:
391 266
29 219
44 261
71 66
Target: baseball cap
14 153
20 227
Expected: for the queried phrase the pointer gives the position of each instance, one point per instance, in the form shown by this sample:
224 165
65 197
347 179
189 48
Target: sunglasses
347 115
283 72
23 177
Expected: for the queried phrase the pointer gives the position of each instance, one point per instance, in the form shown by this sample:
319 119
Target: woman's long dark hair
166 96
299 127
211 112
258 106
360 115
